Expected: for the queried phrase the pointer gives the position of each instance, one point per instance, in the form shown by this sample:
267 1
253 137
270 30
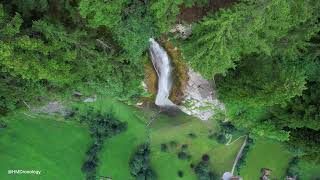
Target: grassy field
117 150
167 164
266 154
55 148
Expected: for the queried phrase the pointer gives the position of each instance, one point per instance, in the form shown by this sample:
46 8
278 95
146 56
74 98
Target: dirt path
239 154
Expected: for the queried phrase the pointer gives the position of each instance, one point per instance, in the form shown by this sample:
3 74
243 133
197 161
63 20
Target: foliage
263 82
291 168
180 173
165 12
98 12
221 138
140 164
266 51
305 167
203 171
130 21
184 155
42 52
305 140
226 127
101 126
256 85
164 147
302 111
250 27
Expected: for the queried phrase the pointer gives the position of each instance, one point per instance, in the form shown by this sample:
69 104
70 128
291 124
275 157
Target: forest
263 55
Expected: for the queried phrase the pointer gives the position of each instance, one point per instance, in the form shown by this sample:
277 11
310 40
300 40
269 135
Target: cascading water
161 63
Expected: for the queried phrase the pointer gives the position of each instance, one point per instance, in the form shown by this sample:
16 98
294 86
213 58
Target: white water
161 63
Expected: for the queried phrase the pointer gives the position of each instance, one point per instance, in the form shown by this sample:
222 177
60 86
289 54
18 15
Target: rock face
184 31
200 98
53 107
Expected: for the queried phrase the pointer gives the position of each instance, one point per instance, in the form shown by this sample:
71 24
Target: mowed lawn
266 154
117 151
56 148
177 128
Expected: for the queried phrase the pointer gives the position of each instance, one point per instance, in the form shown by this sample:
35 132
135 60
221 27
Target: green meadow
57 147
266 154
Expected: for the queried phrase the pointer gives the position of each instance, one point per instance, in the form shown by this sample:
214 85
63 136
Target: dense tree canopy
261 27
261 54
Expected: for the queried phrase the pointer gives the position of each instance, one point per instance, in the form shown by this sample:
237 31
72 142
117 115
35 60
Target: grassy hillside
167 129
117 150
55 148
266 154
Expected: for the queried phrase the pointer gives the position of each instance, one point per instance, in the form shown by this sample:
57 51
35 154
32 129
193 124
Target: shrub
184 156
226 127
2 124
101 126
180 173
192 135
89 167
184 147
164 147
140 165
203 171
205 157
293 169
221 138
192 165
173 144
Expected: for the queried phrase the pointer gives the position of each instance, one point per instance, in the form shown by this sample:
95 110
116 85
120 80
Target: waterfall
161 63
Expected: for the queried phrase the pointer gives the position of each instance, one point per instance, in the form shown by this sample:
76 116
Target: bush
164 147
89 167
173 144
101 126
180 173
192 165
203 171
140 165
221 138
184 147
2 124
205 157
226 127
192 135
293 168
184 156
